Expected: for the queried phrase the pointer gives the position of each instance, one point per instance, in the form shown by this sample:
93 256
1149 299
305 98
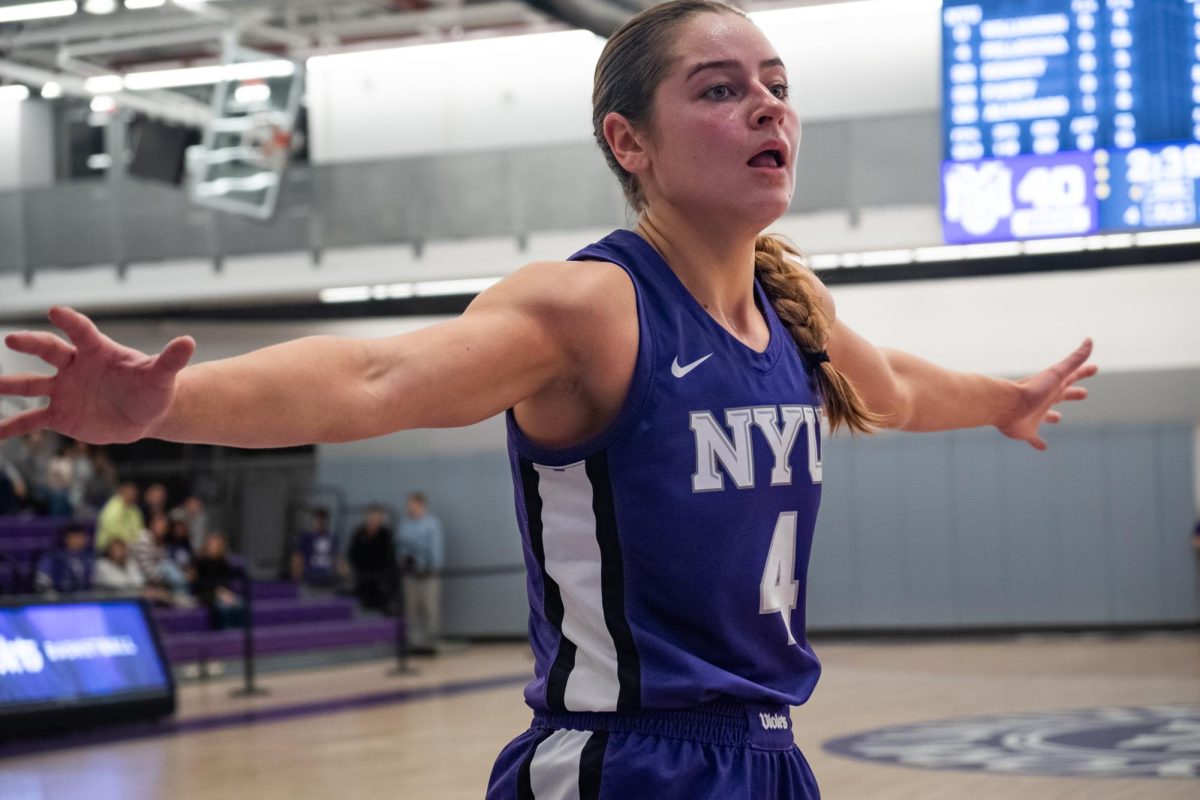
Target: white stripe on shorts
573 561
554 771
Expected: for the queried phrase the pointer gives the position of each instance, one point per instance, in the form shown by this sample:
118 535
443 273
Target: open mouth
767 158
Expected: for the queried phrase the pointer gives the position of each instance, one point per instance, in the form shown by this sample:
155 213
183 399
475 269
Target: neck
716 266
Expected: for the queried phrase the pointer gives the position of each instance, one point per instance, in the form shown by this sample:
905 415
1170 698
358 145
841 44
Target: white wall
856 59
26 161
1139 318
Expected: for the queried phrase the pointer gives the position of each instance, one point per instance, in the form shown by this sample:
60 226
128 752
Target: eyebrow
729 64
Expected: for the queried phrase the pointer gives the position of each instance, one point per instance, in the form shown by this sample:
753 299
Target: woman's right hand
102 392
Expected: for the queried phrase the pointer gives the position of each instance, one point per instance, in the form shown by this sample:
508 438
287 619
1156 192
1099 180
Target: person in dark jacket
214 584
373 560
67 568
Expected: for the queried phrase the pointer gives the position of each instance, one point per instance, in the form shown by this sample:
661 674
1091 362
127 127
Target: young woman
666 391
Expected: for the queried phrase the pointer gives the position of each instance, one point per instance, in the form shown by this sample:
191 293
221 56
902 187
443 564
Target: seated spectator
154 500
179 544
13 491
151 555
102 482
120 518
214 585
315 559
79 455
32 457
58 484
67 568
373 559
193 513
118 574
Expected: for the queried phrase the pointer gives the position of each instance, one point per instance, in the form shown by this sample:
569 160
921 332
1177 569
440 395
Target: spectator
154 500
67 568
215 578
315 559
13 491
373 560
194 514
103 481
422 553
160 571
120 518
118 574
82 473
58 484
179 544
32 458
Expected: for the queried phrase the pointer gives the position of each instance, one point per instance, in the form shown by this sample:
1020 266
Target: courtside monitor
76 663
1069 117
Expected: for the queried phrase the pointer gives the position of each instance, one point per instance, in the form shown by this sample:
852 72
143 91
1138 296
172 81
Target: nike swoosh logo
679 371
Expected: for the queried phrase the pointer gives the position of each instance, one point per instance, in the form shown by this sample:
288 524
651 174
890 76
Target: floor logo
1140 742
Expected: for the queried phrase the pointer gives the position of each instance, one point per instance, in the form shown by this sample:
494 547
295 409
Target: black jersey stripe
552 604
591 762
612 585
524 783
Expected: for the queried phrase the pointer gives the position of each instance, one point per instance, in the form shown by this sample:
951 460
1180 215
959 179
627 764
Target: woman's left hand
1038 394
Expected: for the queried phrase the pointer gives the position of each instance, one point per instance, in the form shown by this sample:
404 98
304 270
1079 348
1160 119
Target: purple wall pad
125 733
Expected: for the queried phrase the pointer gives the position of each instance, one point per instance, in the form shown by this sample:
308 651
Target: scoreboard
1069 117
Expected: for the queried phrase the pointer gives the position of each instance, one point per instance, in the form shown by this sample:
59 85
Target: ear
626 143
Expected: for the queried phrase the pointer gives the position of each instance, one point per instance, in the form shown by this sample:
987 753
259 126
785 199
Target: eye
780 90
719 92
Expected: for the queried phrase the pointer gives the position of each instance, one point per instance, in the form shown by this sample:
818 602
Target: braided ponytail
777 265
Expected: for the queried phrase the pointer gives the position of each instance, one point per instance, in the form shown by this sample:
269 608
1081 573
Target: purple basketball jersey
667 557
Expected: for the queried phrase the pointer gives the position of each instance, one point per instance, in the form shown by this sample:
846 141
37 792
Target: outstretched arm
915 395
318 389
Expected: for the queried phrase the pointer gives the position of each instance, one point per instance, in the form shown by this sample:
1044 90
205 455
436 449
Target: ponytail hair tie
814 360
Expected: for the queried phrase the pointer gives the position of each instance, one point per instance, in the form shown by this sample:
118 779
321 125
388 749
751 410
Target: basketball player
666 389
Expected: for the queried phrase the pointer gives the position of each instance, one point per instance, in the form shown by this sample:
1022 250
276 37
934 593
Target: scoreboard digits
1069 117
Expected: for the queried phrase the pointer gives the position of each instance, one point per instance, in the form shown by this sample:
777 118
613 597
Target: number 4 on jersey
779 589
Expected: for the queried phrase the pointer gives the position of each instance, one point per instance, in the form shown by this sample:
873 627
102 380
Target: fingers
1075 393
24 423
1077 359
78 328
1038 443
1084 372
25 385
175 355
46 346
1052 417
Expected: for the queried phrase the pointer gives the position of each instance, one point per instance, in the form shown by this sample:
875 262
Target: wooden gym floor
354 732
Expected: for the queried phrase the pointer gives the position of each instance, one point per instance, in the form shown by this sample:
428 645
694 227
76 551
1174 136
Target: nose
770 108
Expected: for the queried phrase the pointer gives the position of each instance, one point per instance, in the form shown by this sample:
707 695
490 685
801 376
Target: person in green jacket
120 518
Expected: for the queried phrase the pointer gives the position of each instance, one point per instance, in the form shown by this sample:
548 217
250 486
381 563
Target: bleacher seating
283 621
22 540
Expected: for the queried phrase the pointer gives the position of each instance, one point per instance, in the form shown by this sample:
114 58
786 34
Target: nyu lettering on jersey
667 557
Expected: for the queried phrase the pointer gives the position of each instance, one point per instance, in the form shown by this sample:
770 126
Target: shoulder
560 286
569 299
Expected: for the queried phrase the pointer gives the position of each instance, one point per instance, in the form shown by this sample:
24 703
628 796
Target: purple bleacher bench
266 613
275 590
39 526
212 645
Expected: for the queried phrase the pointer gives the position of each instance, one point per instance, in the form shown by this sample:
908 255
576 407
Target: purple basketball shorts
718 751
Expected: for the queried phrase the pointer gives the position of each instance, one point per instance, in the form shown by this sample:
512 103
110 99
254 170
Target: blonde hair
635 60
790 286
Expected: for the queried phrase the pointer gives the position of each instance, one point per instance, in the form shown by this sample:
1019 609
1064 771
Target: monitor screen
71 654
1069 117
